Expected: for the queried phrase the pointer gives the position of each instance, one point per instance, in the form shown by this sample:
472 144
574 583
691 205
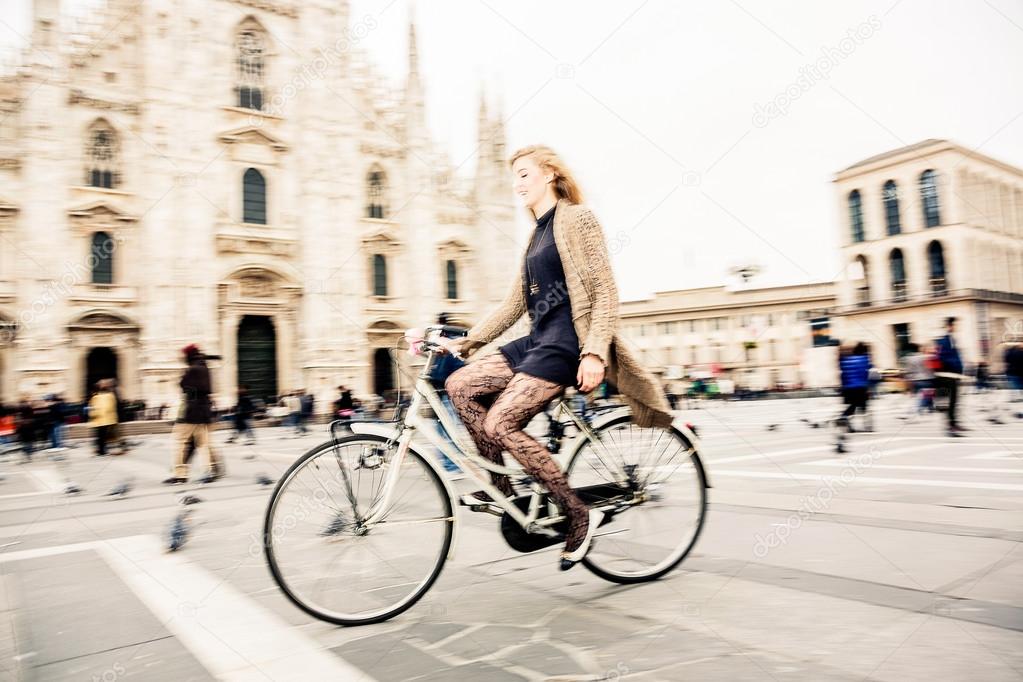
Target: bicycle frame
463 454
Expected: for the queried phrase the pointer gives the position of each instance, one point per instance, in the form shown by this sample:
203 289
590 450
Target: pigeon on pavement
120 490
178 533
263 479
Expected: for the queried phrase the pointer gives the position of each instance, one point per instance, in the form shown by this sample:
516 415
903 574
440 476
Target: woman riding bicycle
567 288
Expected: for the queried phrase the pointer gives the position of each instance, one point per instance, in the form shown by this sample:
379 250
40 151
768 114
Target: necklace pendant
534 288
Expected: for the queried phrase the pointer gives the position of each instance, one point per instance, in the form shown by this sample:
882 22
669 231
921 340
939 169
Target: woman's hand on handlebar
591 373
454 346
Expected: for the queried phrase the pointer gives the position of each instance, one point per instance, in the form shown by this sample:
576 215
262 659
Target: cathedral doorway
100 363
257 356
383 372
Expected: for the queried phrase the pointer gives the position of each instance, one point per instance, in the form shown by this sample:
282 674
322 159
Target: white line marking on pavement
233 637
37 493
912 467
973 439
780 453
901 451
1000 455
23 554
824 478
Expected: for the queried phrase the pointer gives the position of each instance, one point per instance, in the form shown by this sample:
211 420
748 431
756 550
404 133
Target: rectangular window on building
901 332
665 328
820 329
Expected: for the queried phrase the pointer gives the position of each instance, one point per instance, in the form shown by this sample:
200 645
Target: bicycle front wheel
655 483
340 551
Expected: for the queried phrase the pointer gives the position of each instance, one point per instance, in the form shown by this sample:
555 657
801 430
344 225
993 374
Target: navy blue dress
551 351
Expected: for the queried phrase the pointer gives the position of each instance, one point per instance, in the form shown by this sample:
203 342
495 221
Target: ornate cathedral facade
230 173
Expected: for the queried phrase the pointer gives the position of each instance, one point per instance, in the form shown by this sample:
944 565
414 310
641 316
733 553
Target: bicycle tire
701 476
336 618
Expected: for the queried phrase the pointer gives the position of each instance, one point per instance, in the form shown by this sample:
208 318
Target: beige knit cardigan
594 299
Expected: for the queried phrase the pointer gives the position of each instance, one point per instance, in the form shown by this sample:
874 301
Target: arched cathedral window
376 194
250 61
102 156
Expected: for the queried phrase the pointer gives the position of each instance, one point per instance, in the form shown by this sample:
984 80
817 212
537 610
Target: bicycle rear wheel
333 561
655 482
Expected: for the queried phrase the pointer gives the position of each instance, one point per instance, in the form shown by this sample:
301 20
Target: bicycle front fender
382 429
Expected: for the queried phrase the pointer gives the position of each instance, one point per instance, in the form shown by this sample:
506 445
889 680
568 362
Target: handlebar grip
452 331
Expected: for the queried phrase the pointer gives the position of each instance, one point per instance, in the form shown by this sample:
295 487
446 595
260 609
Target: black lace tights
520 398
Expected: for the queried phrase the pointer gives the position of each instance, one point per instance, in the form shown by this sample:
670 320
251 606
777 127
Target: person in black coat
58 415
25 418
344 405
946 380
243 412
197 414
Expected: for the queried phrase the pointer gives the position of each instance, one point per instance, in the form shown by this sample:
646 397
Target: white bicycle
358 529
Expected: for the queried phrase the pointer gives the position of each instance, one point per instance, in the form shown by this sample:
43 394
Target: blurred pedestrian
946 381
243 411
854 368
24 420
307 408
40 421
294 407
8 430
919 376
103 415
195 419
344 406
981 377
117 432
58 417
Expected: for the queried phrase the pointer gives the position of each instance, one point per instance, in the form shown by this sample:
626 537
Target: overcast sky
661 109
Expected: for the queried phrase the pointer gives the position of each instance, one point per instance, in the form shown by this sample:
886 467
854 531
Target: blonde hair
565 186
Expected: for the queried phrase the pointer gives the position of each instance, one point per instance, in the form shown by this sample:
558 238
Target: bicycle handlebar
448 330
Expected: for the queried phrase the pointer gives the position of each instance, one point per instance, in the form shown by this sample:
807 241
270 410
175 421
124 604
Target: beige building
759 338
232 174
929 231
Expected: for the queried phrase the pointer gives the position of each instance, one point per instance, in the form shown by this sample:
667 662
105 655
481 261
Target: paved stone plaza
909 568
